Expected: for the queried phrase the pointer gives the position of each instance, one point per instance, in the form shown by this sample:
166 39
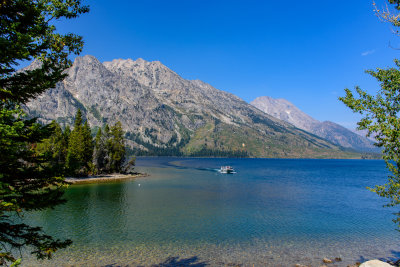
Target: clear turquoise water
270 213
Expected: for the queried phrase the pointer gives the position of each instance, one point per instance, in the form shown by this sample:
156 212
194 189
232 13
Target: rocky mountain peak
140 61
152 74
84 64
284 110
87 69
335 133
87 60
129 65
164 113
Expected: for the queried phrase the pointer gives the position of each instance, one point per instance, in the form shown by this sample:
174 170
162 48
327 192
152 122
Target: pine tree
99 153
108 149
117 153
66 134
78 119
54 147
76 160
129 167
87 145
27 180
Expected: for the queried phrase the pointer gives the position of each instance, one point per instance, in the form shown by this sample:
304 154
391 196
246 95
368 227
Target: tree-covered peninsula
75 152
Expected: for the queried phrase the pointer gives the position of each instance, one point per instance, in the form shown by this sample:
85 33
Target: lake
272 212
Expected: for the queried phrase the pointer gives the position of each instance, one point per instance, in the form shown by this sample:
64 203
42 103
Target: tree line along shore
75 153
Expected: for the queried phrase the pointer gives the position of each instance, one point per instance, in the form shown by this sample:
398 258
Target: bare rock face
286 111
333 132
163 112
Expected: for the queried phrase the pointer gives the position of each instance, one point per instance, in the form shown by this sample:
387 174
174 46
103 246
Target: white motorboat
227 169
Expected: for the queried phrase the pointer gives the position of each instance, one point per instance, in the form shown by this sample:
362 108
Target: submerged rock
354 265
326 260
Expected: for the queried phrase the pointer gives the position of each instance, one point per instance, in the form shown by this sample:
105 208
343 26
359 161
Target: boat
227 169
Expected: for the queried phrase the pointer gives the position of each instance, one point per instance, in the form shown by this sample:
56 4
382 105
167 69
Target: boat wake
218 170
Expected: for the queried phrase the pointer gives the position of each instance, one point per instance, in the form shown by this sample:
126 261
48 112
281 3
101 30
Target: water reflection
270 212
93 213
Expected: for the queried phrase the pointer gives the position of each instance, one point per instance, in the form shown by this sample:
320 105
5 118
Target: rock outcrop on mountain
165 114
333 132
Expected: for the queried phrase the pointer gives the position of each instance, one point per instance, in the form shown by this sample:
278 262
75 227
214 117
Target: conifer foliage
116 148
28 179
80 148
99 153
55 147
76 153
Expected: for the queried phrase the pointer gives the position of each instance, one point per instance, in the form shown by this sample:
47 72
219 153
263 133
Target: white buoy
139 184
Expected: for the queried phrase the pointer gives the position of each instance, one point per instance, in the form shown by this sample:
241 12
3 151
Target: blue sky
304 51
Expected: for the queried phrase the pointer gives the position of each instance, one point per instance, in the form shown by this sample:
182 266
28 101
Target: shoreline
274 158
93 179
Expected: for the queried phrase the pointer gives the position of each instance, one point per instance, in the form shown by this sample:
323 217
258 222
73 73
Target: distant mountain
335 133
364 133
164 114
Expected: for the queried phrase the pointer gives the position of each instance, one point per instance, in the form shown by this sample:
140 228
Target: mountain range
333 132
164 114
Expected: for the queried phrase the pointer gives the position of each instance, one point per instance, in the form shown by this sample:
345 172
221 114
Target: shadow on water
394 259
395 253
172 262
175 262
362 259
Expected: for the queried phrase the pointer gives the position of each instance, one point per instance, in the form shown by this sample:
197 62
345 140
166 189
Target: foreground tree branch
27 181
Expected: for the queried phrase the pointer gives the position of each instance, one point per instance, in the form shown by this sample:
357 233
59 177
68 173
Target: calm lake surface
272 212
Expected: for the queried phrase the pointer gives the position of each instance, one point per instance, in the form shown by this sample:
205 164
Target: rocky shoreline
371 263
93 179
